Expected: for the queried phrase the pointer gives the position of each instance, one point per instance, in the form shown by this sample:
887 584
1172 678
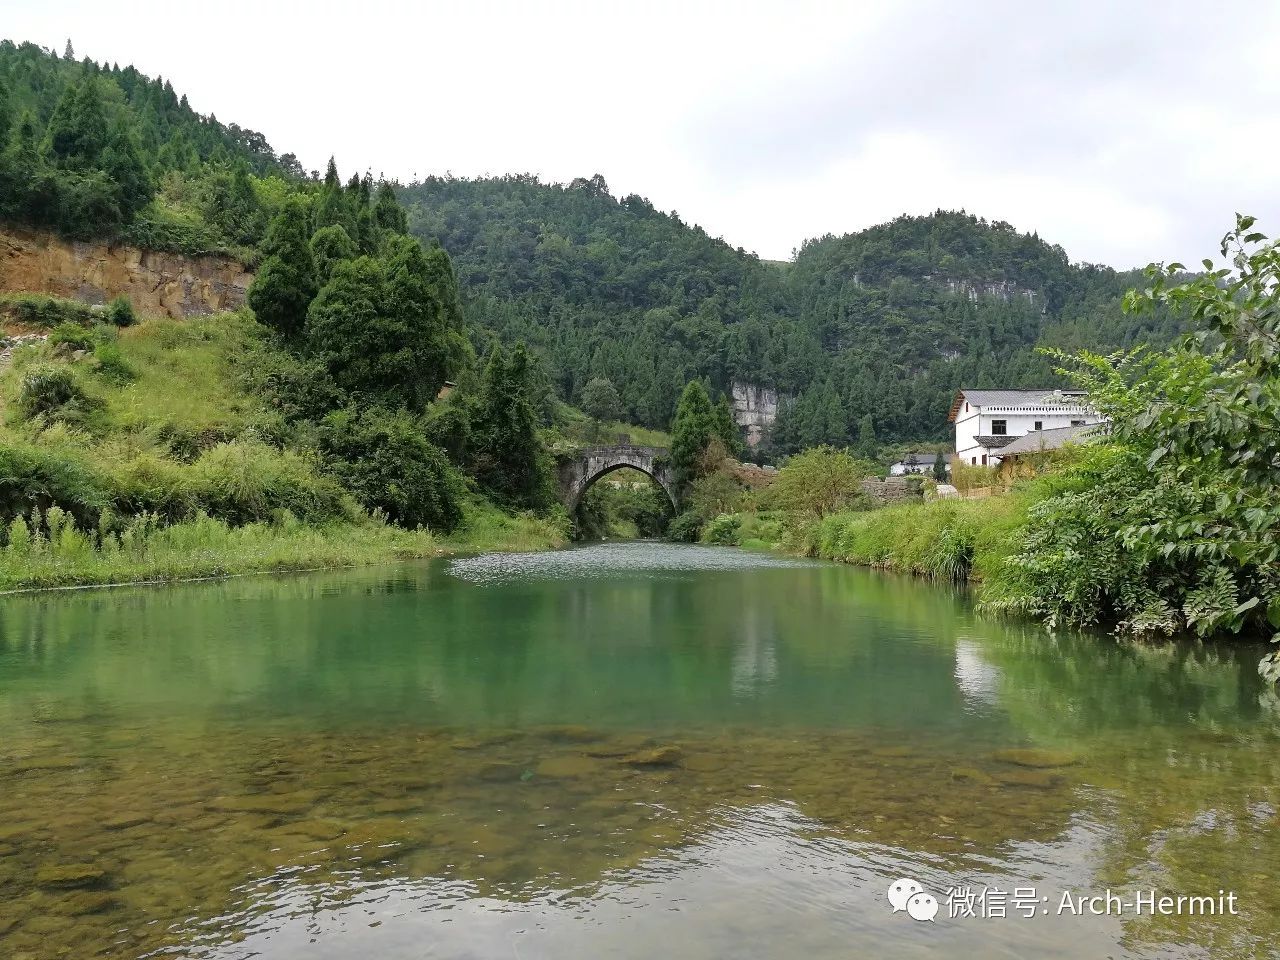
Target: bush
723 530
111 365
40 310
120 313
72 336
685 528
36 476
385 460
54 391
247 481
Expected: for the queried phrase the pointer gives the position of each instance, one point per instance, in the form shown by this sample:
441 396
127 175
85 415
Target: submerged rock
657 757
566 767
70 876
1040 779
1037 758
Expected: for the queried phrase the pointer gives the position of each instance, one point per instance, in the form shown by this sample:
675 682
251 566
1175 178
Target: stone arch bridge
580 470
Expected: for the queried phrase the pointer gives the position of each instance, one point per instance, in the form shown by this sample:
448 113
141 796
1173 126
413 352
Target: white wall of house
973 421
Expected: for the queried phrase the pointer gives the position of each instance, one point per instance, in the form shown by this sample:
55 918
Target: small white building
989 420
916 463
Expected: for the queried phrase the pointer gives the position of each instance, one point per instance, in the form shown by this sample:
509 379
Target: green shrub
120 313
723 530
42 310
53 390
41 477
685 528
385 460
247 481
72 336
110 364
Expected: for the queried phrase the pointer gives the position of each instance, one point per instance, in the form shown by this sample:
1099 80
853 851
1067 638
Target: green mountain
885 323
868 333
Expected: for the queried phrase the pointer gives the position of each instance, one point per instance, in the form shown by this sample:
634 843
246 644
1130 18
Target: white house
989 420
915 463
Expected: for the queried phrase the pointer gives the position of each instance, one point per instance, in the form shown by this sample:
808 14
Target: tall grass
944 539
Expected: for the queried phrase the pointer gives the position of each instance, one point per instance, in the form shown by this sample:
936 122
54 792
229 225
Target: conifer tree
286 282
692 430
387 212
866 438
329 245
725 427
510 460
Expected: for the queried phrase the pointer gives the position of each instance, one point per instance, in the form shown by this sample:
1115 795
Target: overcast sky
1124 131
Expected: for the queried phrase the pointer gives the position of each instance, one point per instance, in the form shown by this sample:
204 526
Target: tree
285 284
819 481
692 430
725 427
940 467
77 130
600 400
1173 524
387 462
387 212
508 455
866 438
329 245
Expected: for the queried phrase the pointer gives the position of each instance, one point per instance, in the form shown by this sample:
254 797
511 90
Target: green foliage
385 459
508 457
54 392
819 481
285 284
692 430
685 527
110 363
329 246
120 312
600 400
72 336
41 310
1176 524
887 322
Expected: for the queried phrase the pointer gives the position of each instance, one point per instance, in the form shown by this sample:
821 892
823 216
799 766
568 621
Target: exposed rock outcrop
155 282
755 408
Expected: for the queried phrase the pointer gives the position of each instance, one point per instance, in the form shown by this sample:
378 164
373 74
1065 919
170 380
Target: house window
999 428
973 461
966 407
1039 424
984 459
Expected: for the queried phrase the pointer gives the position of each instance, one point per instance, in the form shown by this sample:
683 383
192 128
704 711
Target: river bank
206 548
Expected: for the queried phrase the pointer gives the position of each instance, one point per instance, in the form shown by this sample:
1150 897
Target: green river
622 750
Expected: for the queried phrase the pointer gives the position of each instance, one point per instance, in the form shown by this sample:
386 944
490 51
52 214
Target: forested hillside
100 151
869 333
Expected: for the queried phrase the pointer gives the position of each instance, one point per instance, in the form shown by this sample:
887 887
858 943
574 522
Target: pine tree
329 246
77 130
866 438
725 428
940 467
285 284
387 212
510 460
692 430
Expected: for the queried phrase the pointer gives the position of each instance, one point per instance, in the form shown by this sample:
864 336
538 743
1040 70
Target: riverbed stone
277 804
572 766
668 756
1040 779
70 876
1036 758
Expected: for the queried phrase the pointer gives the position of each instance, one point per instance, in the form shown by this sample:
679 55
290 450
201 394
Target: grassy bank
941 539
145 453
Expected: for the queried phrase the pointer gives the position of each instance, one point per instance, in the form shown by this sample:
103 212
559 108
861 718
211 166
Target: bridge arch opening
622 501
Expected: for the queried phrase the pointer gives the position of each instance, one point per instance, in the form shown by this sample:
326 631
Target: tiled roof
994 442
1037 397
919 459
1054 439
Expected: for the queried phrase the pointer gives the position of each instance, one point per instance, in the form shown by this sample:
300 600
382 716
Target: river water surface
629 751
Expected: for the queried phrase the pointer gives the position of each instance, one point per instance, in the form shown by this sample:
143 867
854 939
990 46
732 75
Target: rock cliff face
156 283
755 408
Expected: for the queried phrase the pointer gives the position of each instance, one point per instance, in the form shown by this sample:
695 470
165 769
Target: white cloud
1125 133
